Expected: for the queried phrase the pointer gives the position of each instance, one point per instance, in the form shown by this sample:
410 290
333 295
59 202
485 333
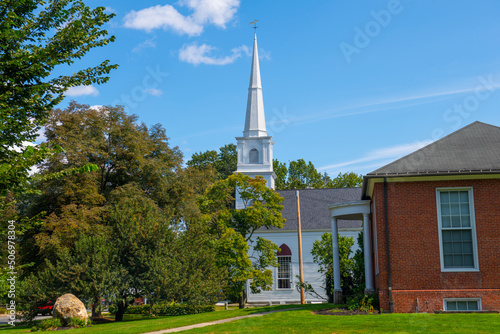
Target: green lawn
303 321
137 324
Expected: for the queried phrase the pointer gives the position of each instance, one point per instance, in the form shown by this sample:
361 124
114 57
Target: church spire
255 122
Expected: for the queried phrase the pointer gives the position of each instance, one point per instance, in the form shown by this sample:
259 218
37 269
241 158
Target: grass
135 324
303 321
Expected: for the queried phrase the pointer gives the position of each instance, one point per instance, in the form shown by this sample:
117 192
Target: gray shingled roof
474 148
314 203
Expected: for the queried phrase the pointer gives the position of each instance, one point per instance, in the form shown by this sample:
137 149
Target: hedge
171 309
180 309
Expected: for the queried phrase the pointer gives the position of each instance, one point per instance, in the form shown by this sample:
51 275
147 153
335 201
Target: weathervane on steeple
254 25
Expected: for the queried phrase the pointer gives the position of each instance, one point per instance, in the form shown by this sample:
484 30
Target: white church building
255 157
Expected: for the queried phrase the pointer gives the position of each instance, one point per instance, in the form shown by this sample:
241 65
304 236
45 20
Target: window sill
459 270
480 311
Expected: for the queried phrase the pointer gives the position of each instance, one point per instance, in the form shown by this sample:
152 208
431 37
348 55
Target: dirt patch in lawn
343 311
102 320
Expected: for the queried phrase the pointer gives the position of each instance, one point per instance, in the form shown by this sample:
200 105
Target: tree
298 175
234 229
88 270
301 175
322 252
37 38
224 162
141 197
345 180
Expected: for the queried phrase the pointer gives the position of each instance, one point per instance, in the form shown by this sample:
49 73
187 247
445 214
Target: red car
45 307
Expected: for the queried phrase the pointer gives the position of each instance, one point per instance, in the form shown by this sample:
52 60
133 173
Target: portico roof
350 210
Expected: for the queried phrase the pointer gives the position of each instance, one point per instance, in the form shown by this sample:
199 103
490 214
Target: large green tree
344 180
38 39
300 174
224 162
244 256
141 197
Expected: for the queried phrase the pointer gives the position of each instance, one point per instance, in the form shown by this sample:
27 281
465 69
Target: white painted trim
308 230
478 300
472 224
375 240
419 178
292 286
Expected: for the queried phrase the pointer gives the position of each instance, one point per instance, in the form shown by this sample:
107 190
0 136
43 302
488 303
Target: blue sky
348 85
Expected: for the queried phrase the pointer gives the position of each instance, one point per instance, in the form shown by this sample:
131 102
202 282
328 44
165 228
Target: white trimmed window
457 235
284 270
462 304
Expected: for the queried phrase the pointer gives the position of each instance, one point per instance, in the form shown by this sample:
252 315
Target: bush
362 302
173 309
112 309
77 323
47 324
138 309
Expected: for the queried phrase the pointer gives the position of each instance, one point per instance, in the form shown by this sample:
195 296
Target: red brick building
435 225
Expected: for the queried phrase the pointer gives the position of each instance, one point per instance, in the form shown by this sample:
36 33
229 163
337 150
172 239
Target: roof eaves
433 173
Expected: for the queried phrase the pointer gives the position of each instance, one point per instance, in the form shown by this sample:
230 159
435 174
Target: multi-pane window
456 220
462 304
284 272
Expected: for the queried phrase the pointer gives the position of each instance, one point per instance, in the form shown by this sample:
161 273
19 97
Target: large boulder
68 306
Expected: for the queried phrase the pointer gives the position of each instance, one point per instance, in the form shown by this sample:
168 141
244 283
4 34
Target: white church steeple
255 148
255 122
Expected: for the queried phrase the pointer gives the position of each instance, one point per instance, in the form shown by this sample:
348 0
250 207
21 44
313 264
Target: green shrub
173 309
362 302
76 323
112 309
47 324
138 309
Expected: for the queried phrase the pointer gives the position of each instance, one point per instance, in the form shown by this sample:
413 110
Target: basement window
462 304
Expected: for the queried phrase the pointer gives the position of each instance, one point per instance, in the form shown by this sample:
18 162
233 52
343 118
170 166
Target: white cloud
166 17
263 54
82 90
40 135
149 43
216 12
378 157
200 54
153 91
110 9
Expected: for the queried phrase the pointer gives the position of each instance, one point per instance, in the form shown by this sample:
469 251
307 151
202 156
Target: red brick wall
414 246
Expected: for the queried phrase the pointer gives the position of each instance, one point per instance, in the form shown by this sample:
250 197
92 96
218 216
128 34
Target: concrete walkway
216 322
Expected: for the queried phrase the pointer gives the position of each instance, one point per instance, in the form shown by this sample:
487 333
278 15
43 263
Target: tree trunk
242 300
122 306
96 307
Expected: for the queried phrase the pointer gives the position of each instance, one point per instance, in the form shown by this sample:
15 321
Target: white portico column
337 291
367 245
